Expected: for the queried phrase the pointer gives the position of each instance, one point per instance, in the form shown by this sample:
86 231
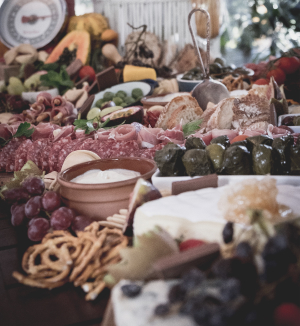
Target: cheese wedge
132 73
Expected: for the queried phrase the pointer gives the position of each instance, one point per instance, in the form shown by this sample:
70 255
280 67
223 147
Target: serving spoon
208 90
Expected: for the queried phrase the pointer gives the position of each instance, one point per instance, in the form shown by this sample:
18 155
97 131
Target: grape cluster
32 206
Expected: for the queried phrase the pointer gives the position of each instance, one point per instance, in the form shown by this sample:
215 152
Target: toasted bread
222 115
172 106
183 115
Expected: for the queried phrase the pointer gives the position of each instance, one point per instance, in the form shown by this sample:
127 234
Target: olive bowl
100 201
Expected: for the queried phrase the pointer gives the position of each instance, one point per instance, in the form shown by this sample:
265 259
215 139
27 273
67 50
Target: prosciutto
149 136
224 132
63 132
124 133
43 130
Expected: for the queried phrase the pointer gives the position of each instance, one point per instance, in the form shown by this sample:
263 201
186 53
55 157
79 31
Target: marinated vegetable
261 139
264 161
169 160
237 161
197 162
216 155
194 143
295 158
282 148
222 140
137 93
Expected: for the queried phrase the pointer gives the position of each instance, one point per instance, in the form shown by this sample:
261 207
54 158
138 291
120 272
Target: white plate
126 87
164 184
296 129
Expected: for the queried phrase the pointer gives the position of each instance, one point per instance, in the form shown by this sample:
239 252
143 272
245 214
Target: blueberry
230 289
131 290
162 309
191 279
176 294
228 232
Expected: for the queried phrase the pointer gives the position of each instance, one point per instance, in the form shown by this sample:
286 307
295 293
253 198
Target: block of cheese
196 214
139 311
132 73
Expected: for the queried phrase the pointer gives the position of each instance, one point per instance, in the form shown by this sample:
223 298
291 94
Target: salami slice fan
208 90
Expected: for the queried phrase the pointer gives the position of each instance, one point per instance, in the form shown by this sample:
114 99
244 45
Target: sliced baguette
172 106
183 115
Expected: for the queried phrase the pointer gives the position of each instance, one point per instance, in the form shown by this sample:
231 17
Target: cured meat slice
65 151
54 153
150 152
7 155
44 158
21 154
85 145
114 149
35 151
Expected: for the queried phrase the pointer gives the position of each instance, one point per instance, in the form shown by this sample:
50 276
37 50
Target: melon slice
75 39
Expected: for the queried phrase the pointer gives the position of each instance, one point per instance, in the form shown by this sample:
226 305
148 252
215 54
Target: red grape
50 201
18 216
33 206
15 195
80 222
35 186
62 218
13 206
38 229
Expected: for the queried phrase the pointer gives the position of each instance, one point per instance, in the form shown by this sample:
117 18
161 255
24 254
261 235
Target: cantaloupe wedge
75 39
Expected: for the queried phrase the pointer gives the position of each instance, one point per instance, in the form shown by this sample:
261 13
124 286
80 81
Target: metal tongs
209 90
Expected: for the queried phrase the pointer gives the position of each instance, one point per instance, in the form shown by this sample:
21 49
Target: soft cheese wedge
195 214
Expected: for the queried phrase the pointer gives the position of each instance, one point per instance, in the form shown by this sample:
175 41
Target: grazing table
22 305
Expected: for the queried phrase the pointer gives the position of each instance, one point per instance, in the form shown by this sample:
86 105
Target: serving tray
164 184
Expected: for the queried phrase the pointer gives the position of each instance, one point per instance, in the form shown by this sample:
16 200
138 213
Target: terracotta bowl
99 201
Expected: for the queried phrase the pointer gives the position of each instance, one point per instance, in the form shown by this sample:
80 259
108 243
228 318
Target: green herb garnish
60 80
23 130
191 127
90 125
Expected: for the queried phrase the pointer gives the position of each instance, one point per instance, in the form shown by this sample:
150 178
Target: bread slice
172 106
249 110
222 116
183 115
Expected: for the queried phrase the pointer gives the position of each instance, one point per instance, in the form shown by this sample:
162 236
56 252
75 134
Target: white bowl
127 88
296 129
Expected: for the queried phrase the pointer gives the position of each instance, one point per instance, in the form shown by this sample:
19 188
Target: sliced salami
44 158
125 149
150 152
35 151
54 153
85 145
10 153
21 154
65 151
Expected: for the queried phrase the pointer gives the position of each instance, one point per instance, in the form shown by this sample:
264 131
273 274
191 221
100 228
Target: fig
109 110
107 105
127 115
288 121
143 192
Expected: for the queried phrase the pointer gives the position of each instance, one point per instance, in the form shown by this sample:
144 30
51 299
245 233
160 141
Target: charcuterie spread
166 176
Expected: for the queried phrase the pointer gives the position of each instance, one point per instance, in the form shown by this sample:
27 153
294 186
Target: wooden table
23 305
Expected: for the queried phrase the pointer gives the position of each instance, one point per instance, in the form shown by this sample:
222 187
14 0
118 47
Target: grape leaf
137 261
191 127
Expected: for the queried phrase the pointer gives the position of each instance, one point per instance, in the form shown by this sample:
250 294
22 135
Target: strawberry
287 314
87 71
190 243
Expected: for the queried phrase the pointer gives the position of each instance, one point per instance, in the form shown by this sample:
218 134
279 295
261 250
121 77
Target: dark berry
227 268
191 279
230 289
244 251
131 290
287 314
162 309
176 294
228 232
